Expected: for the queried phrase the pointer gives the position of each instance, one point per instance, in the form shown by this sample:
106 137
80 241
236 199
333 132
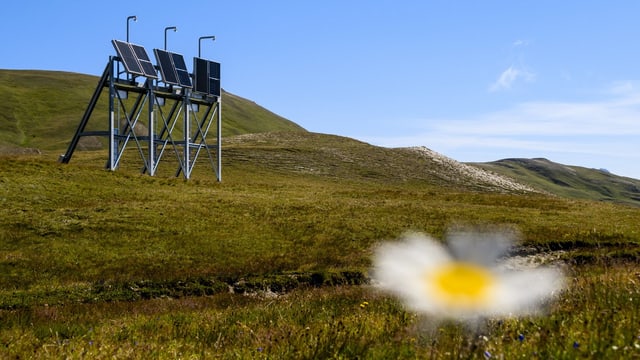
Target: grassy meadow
273 262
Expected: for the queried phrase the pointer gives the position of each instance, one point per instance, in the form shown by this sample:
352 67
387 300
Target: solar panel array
135 59
173 68
206 76
167 70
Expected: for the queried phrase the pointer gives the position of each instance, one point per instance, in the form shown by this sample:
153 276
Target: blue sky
473 80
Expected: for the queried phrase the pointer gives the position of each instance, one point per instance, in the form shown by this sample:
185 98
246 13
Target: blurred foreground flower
463 281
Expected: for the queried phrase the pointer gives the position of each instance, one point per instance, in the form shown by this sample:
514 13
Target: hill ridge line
473 172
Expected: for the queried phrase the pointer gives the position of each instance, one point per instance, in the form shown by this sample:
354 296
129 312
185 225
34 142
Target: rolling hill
569 181
42 109
338 157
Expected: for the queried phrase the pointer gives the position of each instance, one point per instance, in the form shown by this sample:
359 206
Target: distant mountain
569 181
42 109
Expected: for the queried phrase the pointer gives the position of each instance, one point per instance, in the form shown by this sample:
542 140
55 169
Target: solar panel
127 56
135 59
214 87
145 62
207 76
214 69
214 78
181 70
167 69
201 75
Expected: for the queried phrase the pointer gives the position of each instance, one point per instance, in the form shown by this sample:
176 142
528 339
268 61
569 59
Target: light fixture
134 18
165 34
200 41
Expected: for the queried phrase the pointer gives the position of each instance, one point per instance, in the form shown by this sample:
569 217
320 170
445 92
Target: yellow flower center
460 284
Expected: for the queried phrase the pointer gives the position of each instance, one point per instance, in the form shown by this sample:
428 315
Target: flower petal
400 266
421 272
523 292
480 247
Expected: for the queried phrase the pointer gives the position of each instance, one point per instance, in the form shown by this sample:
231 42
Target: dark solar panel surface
214 69
128 58
181 70
214 78
214 86
167 69
206 76
200 74
145 62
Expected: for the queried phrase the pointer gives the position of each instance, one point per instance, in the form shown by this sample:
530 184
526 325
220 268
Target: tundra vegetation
273 262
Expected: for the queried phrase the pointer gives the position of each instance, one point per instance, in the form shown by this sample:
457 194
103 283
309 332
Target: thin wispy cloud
621 88
602 132
517 71
615 116
612 117
508 77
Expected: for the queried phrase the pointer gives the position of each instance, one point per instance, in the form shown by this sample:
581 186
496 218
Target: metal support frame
80 131
195 129
168 121
120 137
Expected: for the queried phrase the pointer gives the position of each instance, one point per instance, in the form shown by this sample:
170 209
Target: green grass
101 264
241 116
79 223
42 109
570 181
596 317
34 111
273 262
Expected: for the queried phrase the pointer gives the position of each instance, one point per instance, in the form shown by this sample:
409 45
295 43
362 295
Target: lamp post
132 17
200 40
165 34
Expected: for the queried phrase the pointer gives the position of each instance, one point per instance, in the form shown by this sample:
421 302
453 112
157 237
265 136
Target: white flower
464 281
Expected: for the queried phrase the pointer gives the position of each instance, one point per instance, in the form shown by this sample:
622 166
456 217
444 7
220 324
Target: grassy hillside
338 157
42 109
569 181
274 261
264 218
242 116
106 264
